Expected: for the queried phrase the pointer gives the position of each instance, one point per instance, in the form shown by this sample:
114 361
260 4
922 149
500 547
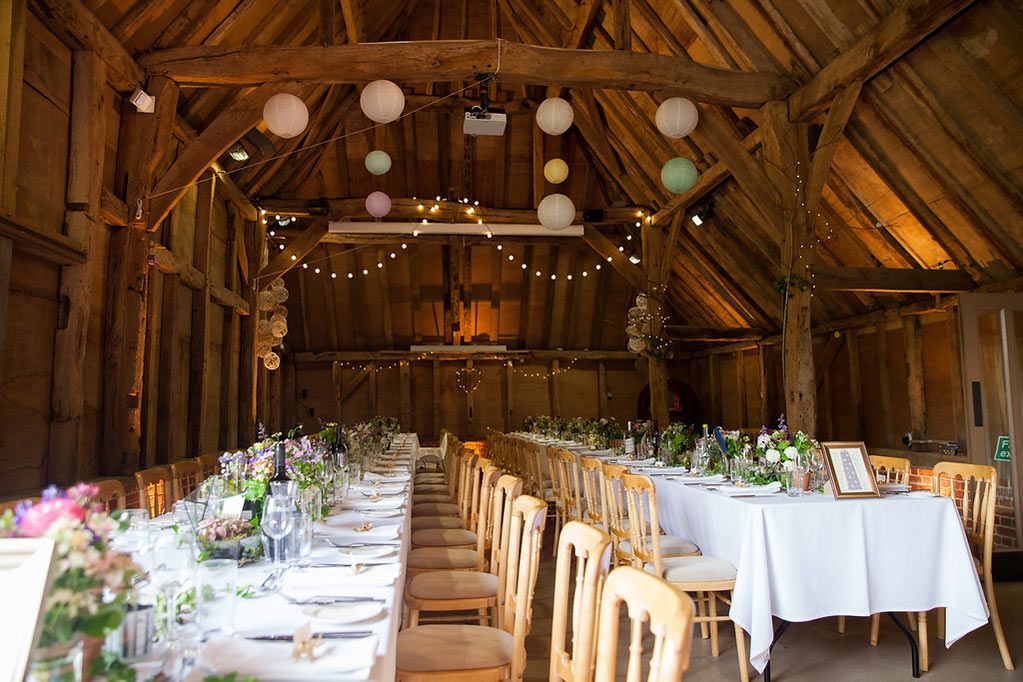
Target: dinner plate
921 493
343 613
381 513
369 551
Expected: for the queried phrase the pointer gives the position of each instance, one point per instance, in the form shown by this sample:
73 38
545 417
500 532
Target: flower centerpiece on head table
778 451
678 442
91 580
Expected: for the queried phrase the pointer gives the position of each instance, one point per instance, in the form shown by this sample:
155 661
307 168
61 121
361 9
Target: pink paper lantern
378 204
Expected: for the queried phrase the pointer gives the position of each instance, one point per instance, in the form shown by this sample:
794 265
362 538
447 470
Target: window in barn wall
992 348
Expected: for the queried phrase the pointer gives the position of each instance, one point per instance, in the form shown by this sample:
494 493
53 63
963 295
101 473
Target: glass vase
56 663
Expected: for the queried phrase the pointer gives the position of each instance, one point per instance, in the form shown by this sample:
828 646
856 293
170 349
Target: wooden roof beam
891 280
890 39
413 61
633 274
296 250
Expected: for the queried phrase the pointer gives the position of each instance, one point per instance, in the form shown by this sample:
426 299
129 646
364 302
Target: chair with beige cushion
616 510
479 652
209 464
111 494
568 485
187 476
432 516
458 590
590 547
593 492
655 604
155 490
670 546
709 578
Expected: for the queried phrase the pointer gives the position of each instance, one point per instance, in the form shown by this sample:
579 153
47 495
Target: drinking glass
283 488
134 539
277 522
310 501
300 539
795 477
172 568
216 596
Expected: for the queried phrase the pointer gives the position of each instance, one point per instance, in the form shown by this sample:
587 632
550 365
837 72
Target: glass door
991 330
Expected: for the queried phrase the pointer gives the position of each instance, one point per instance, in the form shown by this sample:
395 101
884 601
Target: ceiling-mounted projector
480 121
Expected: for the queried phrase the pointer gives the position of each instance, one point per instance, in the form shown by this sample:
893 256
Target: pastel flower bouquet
778 452
91 580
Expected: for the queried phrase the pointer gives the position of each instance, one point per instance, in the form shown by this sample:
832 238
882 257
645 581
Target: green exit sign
1002 451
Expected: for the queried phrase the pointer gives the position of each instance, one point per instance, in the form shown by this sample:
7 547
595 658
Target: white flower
773 456
788 465
763 440
791 452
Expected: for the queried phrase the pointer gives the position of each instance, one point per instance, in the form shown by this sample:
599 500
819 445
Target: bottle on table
280 463
630 441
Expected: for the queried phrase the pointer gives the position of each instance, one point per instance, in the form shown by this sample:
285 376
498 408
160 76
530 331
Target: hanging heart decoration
468 379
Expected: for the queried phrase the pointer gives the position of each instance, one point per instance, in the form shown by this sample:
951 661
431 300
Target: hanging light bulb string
483 82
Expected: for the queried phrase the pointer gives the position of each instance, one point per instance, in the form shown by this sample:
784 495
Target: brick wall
1005 521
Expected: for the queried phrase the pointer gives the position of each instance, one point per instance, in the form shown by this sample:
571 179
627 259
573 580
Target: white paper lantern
262 348
285 115
279 310
266 300
677 117
556 171
271 360
554 116
280 296
556 211
382 101
278 328
277 283
636 345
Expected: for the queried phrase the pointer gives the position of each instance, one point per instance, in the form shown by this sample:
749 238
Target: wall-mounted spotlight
238 152
701 213
144 102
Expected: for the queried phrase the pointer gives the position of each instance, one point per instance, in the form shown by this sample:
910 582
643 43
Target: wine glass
276 523
172 567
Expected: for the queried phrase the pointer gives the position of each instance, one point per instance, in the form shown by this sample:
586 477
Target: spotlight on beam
143 101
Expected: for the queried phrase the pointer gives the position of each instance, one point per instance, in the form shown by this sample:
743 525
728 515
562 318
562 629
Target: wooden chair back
537 479
476 475
508 489
644 529
111 494
529 514
11 504
890 469
155 490
488 484
650 603
187 475
209 465
591 549
568 473
593 491
972 487
616 508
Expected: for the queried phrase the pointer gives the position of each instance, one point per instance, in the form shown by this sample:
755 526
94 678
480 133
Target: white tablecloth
806 558
274 614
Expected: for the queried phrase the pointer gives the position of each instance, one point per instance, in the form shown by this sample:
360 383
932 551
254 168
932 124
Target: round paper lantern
263 326
677 117
554 115
266 300
277 283
556 171
378 162
278 328
382 101
278 318
271 360
636 345
678 175
280 295
556 211
378 204
279 310
285 115
262 348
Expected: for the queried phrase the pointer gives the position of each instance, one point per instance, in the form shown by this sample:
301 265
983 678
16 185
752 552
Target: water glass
300 540
310 501
134 539
216 596
171 571
277 522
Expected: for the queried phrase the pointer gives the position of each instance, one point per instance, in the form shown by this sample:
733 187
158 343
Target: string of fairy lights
462 378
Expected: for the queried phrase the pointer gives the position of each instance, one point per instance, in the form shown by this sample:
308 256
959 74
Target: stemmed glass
276 523
172 567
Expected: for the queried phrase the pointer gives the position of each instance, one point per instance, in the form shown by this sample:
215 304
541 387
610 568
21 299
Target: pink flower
83 493
38 519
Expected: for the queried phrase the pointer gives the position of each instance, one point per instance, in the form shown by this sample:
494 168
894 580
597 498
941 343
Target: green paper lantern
378 162
679 175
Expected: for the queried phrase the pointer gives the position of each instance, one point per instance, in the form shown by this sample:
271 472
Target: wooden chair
591 549
568 475
155 491
710 578
478 652
425 559
615 508
641 508
187 476
439 514
973 489
111 494
649 601
593 491
209 465
890 469
549 453
452 590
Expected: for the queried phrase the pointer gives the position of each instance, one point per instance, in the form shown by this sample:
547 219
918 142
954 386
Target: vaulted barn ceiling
927 174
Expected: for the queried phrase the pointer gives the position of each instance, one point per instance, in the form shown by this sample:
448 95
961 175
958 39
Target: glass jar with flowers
783 457
91 580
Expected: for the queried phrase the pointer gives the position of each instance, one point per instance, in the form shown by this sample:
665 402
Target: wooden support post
144 138
198 363
885 387
12 61
553 388
436 399
230 358
373 405
852 344
509 387
603 410
715 390
653 247
913 345
170 422
740 385
469 402
67 461
274 413
248 362
405 378
955 374
337 380
762 382
6 252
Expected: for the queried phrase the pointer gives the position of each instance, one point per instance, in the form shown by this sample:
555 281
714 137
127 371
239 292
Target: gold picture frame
849 468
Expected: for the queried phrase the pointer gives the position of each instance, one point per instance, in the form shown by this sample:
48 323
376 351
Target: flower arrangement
777 451
91 580
221 538
678 442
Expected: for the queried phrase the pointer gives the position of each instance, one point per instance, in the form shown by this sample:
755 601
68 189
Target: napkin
894 487
338 529
750 490
660 471
637 462
393 476
272 660
716 478
359 502
333 581
383 488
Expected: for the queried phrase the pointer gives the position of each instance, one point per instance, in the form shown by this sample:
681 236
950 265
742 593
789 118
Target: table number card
233 506
849 466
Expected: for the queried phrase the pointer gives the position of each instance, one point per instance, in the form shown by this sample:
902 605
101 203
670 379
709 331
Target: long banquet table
383 579
804 558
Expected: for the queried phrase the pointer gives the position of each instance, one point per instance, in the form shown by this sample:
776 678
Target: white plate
343 613
920 493
381 513
369 551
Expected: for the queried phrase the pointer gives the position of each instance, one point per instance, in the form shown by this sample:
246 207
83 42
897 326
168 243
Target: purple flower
52 492
783 426
20 509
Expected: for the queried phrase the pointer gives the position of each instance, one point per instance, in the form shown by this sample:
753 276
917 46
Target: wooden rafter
294 252
462 60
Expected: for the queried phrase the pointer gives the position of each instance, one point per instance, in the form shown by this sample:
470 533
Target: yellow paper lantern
556 171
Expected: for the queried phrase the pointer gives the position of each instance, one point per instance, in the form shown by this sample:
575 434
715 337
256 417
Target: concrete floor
815 650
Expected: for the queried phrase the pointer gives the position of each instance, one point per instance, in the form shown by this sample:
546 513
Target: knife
361 634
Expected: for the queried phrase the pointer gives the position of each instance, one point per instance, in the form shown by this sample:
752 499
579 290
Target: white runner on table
804 558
